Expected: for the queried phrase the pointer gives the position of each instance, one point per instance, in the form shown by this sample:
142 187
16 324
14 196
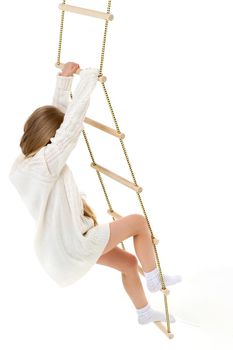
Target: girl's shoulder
34 165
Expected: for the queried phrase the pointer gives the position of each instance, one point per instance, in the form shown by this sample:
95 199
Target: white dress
48 189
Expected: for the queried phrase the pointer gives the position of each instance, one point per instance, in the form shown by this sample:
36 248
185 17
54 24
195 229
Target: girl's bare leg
135 226
127 263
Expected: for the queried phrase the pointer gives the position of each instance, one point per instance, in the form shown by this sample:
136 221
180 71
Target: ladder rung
116 177
102 78
114 214
165 291
163 329
86 12
155 240
104 128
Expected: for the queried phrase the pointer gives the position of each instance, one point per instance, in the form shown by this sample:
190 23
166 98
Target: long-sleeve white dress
47 187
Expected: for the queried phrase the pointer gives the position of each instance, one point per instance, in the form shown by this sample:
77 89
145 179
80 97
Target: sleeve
66 136
61 97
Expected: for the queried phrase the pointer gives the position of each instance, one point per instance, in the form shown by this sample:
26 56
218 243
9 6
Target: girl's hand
69 69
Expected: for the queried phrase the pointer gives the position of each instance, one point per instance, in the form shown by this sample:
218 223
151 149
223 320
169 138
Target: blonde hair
38 129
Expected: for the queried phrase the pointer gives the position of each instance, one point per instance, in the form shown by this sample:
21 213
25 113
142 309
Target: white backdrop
169 70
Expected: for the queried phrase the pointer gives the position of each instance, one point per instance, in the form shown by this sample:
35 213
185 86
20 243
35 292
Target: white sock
147 315
153 280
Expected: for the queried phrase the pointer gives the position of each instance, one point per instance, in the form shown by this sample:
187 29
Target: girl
69 240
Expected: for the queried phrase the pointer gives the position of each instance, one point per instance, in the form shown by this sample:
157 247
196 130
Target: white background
169 70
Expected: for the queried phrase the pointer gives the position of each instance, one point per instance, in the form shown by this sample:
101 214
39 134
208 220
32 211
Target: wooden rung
104 128
116 177
102 78
114 214
155 240
86 12
165 291
163 329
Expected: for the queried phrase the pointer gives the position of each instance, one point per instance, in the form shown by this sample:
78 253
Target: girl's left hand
69 69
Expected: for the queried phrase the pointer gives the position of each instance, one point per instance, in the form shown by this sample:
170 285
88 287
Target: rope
102 56
83 131
104 41
61 35
131 170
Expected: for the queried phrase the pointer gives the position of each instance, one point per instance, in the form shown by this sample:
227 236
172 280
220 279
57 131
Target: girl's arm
61 97
64 79
66 136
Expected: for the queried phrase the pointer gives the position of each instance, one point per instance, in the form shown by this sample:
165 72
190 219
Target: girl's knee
132 263
140 224
138 219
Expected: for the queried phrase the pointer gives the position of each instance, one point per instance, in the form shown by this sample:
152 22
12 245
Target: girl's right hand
69 69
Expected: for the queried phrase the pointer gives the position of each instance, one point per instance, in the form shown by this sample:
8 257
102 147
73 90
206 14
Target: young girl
69 240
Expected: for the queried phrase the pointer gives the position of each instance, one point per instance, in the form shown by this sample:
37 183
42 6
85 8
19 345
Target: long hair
38 129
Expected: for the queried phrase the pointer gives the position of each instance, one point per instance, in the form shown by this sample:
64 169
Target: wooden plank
116 177
165 291
86 12
155 240
114 214
104 128
163 329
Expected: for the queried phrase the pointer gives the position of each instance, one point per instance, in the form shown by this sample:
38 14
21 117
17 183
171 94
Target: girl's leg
127 263
135 226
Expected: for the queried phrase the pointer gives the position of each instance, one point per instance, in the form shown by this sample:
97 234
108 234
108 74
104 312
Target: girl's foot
153 280
147 315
